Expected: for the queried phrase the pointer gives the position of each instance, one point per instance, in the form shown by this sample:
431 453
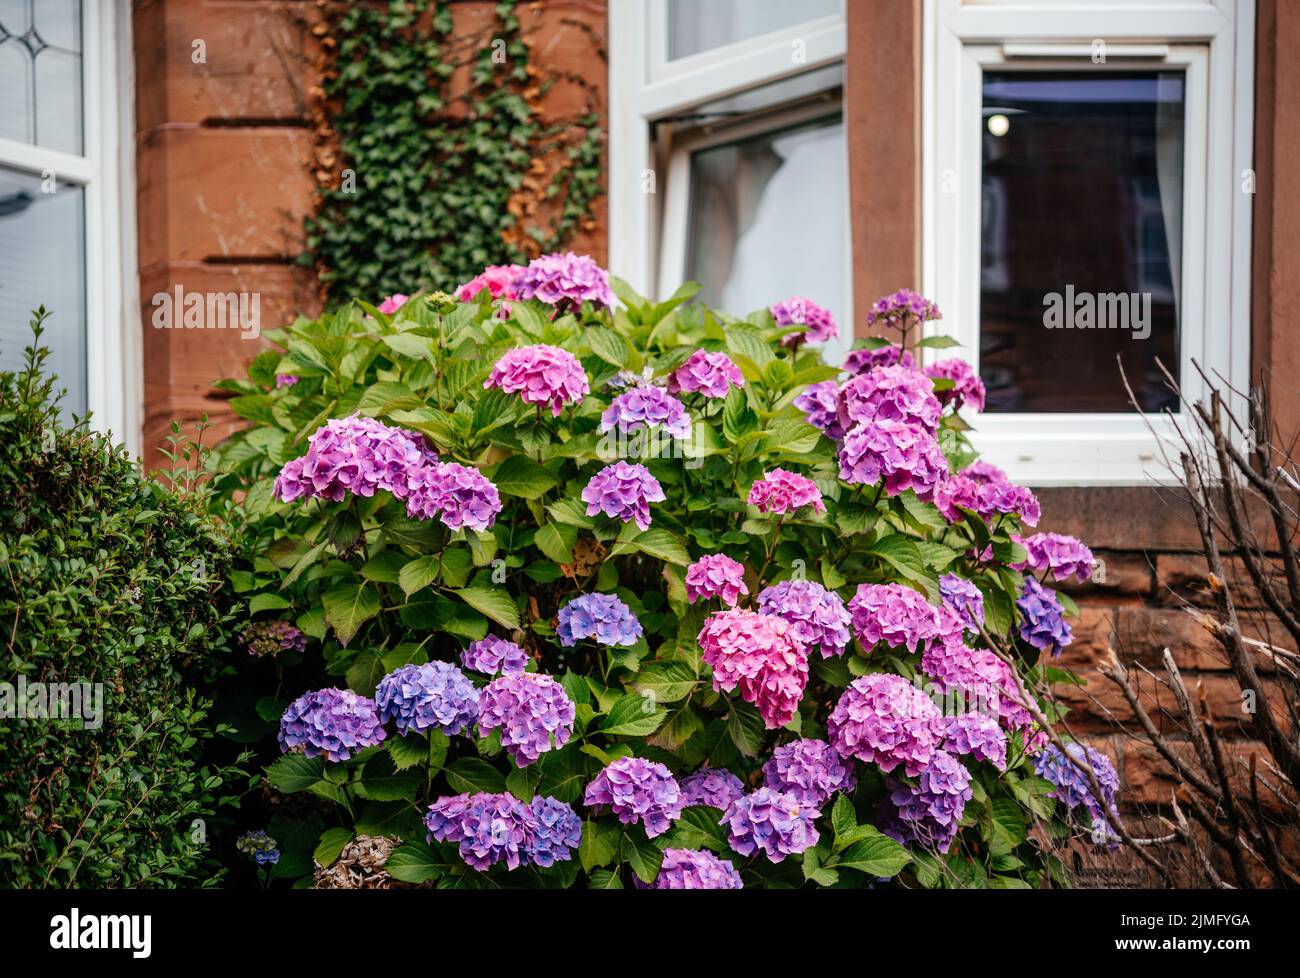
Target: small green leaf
294 772
332 842
414 862
348 607
496 604
521 476
418 574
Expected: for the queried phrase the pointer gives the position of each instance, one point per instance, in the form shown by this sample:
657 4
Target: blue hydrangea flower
435 696
1073 788
1042 620
603 617
262 847
556 831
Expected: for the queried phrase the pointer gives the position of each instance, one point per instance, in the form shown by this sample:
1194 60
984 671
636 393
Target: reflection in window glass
1081 232
769 220
701 25
42 249
40 73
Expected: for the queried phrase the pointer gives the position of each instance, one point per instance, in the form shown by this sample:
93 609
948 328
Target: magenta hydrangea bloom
986 683
696 869
783 492
603 617
566 280
820 405
501 281
860 361
541 374
767 821
985 489
977 735
333 722
903 310
1073 788
889 394
894 614
964 598
269 637
715 787
710 374
393 303
816 615
759 655
637 790
491 828
494 655
532 711
799 311
1042 619
432 696
808 769
1064 556
883 719
285 380
456 494
353 454
966 389
623 491
905 456
647 406
929 813
715 576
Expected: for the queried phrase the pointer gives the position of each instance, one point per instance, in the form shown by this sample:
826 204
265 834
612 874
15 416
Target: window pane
769 220
40 73
1082 238
701 25
42 262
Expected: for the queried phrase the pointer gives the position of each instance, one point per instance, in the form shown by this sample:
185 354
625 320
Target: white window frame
105 171
1213 42
645 87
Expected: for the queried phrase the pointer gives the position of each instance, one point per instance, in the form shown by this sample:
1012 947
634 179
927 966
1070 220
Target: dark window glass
1081 246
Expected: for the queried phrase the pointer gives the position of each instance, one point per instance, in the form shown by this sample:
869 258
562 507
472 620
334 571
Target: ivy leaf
418 574
521 476
348 606
497 605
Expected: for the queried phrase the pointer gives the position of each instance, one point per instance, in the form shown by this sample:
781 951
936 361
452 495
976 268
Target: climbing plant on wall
433 155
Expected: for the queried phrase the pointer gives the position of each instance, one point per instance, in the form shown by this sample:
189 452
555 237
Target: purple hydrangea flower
889 394
929 813
456 494
977 735
715 576
492 655
566 280
624 492
555 830
861 361
883 719
986 683
767 821
647 406
820 405
1066 557
808 769
532 711
783 492
696 869
542 375
799 311
268 637
285 380
637 790
905 456
603 617
1042 619
817 615
903 310
964 598
1073 788
353 454
490 828
760 655
711 374
432 696
333 722
984 489
894 614
967 388
715 787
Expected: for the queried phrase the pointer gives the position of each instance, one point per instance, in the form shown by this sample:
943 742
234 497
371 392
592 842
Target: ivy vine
425 174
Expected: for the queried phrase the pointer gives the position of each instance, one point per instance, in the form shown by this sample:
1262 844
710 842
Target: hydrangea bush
601 591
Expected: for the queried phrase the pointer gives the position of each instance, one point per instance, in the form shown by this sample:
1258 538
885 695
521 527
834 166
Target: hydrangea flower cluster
1074 789
967 388
817 616
904 455
432 696
353 454
492 655
501 281
964 598
977 735
603 617
541 374
759 655
771 822
263 849
987 682
637 790
393 303
268 637
860 361
820 405
894 614
647 406
929 813
808 769
696 869
1064 556
883 719
285 380
985 489
710 374
1042 619
889 394
902 310
490 828
532 711
783 492
456 494
713 786
565 280
333 722
715 576
799 311
623 491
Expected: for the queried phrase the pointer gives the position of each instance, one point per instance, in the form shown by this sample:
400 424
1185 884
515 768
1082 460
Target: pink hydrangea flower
810 770
532 711
542 375
783 492
799 311
695 869
985 489
820 404
759 655
353 454
456 494
711 374
647 406
860 361
565 280
895 615
905 456
499 280
902 310
967 387
889 394
393 303
883 719
1064 556
816 614
623 491
715 576
986 683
